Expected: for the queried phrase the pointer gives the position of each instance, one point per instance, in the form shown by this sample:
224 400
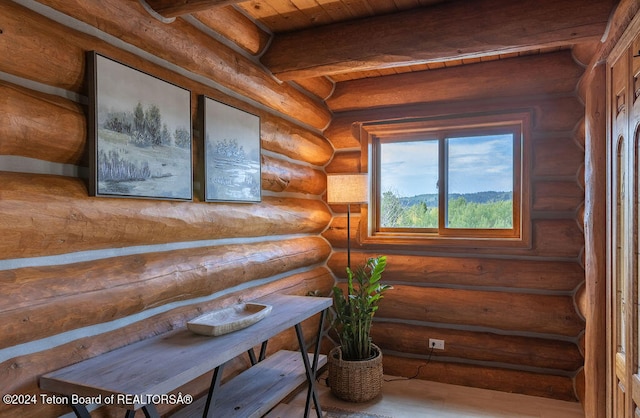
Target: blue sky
411 168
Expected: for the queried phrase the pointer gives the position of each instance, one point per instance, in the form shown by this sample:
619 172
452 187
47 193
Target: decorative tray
233 318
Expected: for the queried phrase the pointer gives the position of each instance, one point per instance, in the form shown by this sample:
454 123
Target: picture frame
140 138
232 153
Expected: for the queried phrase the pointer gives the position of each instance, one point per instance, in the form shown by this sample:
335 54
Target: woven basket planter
355 381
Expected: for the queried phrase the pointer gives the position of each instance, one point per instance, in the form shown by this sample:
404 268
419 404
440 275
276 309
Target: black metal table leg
215 383
263 354
150 411
81 411
311 369
263 351
252 357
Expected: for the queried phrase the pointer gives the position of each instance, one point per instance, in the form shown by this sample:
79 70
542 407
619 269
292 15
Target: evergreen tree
398 212
390 209
182 137
165 137
153 124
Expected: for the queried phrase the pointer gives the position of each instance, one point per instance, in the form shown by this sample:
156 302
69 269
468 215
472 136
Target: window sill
421 240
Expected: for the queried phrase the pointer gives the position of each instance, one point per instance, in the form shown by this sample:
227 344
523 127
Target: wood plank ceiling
351 39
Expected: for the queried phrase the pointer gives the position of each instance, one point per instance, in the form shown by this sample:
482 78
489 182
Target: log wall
509 317
83 275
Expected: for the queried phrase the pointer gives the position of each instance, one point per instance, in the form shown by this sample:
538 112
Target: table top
161 364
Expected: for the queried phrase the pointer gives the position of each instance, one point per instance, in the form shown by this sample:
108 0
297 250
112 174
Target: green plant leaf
354 310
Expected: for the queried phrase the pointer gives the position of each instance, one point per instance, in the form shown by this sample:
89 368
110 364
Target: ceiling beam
451 30
545 74
175 8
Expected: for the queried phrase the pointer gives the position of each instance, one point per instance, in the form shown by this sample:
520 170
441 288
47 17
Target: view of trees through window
491 210
477 184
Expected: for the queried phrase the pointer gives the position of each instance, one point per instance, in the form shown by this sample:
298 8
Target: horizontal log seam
485 363
440 249
468 256
87 29
478 328
498 289
273 154
537 178
93 255
348 150
20 164
43 88
293 195
553 215
92 330
564 134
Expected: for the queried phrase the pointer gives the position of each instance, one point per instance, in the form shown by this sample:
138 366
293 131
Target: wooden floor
419 398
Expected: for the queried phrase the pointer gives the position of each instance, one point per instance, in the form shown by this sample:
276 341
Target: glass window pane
479 182
409 184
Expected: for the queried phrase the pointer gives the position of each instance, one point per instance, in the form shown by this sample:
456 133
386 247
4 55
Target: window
455 179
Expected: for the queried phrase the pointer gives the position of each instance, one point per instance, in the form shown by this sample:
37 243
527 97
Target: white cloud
410 168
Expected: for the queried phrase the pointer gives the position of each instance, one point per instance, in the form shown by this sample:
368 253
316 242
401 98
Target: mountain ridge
431 199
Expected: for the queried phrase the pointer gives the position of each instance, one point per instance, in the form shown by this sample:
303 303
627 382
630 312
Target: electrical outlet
436 344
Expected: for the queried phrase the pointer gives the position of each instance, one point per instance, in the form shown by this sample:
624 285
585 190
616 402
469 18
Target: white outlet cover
436 344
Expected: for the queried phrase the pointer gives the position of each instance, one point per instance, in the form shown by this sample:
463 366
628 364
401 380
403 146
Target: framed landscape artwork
232 161
139 133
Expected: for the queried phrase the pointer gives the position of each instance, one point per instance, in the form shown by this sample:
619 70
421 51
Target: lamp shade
347 188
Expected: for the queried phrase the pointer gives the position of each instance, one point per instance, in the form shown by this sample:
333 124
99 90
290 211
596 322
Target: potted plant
355 366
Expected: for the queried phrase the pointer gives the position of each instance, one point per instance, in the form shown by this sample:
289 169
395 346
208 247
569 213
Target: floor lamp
347 189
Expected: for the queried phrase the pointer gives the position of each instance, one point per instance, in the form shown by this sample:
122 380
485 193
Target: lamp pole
349 235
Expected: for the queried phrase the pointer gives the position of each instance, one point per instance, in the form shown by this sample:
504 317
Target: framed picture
232 162
139 133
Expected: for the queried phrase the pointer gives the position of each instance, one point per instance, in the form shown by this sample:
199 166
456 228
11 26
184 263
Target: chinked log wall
508 316
81 275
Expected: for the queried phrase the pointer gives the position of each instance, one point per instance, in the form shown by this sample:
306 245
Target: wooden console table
160 365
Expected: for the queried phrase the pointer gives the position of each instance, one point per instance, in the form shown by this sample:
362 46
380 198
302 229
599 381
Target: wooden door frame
630 163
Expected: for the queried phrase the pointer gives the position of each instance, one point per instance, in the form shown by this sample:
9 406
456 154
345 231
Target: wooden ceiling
293 15
350 39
